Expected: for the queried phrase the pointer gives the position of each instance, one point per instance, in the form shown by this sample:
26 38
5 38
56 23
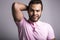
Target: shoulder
43 23
48 26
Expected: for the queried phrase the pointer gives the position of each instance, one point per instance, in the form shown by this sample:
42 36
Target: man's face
34 12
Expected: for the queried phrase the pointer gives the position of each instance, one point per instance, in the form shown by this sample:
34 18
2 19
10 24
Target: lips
35 15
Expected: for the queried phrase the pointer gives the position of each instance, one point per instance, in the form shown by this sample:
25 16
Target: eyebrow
33 9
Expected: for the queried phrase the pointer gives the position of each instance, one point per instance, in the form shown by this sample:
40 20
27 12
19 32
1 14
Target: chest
40 32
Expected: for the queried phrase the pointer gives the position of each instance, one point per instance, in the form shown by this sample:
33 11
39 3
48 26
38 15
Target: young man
31 29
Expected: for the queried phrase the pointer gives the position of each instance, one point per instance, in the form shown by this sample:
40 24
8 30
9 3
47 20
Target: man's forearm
20 6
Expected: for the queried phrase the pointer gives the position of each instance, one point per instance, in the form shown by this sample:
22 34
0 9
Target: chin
34 20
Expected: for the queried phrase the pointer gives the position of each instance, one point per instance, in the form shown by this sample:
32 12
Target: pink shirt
34 31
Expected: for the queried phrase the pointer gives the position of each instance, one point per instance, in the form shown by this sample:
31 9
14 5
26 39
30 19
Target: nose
34 13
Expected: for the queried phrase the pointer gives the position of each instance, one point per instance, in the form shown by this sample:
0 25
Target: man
31 29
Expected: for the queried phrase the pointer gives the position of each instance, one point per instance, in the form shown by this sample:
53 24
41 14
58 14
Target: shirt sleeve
50 32
21 23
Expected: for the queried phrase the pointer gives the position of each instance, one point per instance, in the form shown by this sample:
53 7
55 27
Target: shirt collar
33 23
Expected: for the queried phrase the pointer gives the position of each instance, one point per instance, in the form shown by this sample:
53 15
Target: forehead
35 6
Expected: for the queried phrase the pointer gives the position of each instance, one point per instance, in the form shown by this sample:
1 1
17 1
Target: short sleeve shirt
34 30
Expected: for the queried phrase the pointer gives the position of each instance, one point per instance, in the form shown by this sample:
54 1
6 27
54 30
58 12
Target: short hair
36 2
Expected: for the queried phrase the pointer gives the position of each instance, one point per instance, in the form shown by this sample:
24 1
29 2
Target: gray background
8 28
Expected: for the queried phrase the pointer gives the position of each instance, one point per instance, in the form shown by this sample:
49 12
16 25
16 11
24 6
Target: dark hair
36 2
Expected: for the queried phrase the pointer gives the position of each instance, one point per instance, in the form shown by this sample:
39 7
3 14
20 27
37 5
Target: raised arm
17 9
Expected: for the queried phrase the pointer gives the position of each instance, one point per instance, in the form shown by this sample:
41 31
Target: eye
37 10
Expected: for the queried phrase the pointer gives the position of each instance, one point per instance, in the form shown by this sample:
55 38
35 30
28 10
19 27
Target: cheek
39 13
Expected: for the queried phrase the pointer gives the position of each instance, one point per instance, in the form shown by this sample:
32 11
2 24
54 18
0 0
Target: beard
34 18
